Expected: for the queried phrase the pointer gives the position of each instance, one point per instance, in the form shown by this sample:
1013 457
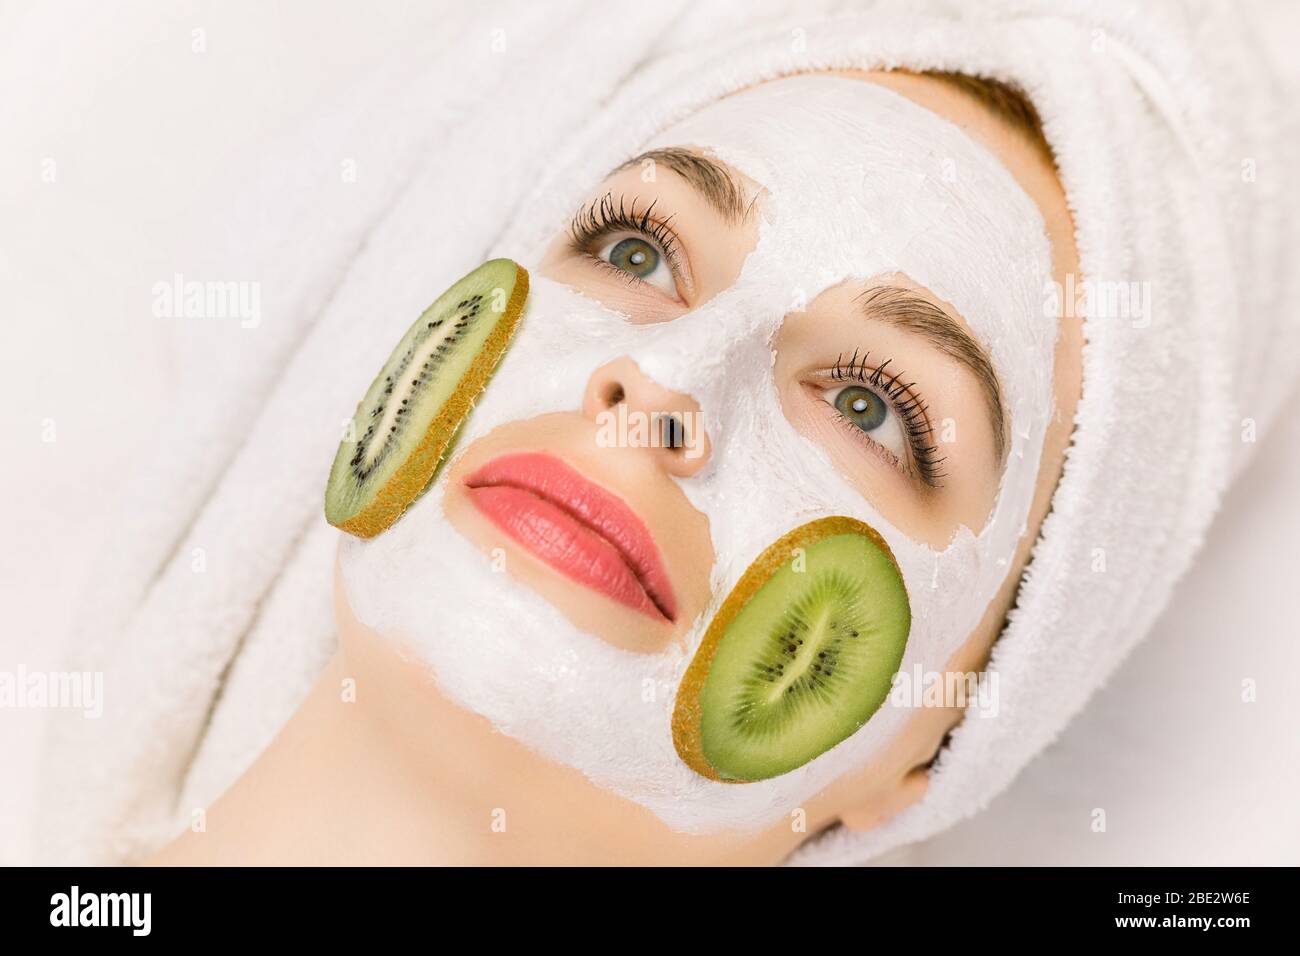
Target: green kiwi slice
410 415
800 655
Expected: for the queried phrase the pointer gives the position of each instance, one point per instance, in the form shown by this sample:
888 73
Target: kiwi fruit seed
409 417
800 655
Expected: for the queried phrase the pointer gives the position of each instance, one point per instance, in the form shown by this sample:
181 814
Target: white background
141 128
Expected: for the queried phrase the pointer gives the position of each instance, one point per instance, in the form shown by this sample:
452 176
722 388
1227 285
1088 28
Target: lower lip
563 542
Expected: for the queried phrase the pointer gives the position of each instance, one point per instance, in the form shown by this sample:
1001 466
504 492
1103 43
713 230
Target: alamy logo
193 299
39 690
1098 299
102 909
622 428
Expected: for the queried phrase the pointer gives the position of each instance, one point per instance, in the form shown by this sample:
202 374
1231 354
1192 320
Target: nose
634 411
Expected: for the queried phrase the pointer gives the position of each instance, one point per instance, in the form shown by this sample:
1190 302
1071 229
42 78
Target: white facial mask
860 182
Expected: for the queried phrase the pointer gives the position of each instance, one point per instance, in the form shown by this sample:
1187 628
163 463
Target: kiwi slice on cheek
800 655
409 417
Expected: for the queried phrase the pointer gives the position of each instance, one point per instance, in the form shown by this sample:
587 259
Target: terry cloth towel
1176 155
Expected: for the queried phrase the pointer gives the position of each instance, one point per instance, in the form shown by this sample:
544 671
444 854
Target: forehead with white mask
882 231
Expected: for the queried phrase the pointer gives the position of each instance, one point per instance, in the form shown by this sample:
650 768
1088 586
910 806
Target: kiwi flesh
410 415
799 656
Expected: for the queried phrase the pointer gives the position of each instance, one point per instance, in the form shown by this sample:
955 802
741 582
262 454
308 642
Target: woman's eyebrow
911 312
711 179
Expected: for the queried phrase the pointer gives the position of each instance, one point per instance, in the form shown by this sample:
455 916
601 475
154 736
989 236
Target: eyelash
906 403
604 217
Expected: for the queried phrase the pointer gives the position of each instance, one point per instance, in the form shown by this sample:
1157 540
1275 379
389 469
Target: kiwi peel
799 656
412 412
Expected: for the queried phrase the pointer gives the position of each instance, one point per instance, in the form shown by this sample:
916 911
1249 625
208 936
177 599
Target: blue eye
635 256
863 407
640 257
871 415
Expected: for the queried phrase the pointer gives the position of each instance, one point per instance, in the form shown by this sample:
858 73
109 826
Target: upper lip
601 510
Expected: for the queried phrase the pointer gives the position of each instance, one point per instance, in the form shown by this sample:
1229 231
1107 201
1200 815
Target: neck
345 783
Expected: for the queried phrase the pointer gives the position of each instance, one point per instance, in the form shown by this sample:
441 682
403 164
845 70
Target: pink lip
580 529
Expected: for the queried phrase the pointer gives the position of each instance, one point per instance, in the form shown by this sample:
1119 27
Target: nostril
672 432
614 394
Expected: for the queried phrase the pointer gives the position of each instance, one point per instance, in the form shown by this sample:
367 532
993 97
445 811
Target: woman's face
817 298
870 370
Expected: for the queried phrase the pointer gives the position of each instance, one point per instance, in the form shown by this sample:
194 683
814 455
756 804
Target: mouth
585 532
